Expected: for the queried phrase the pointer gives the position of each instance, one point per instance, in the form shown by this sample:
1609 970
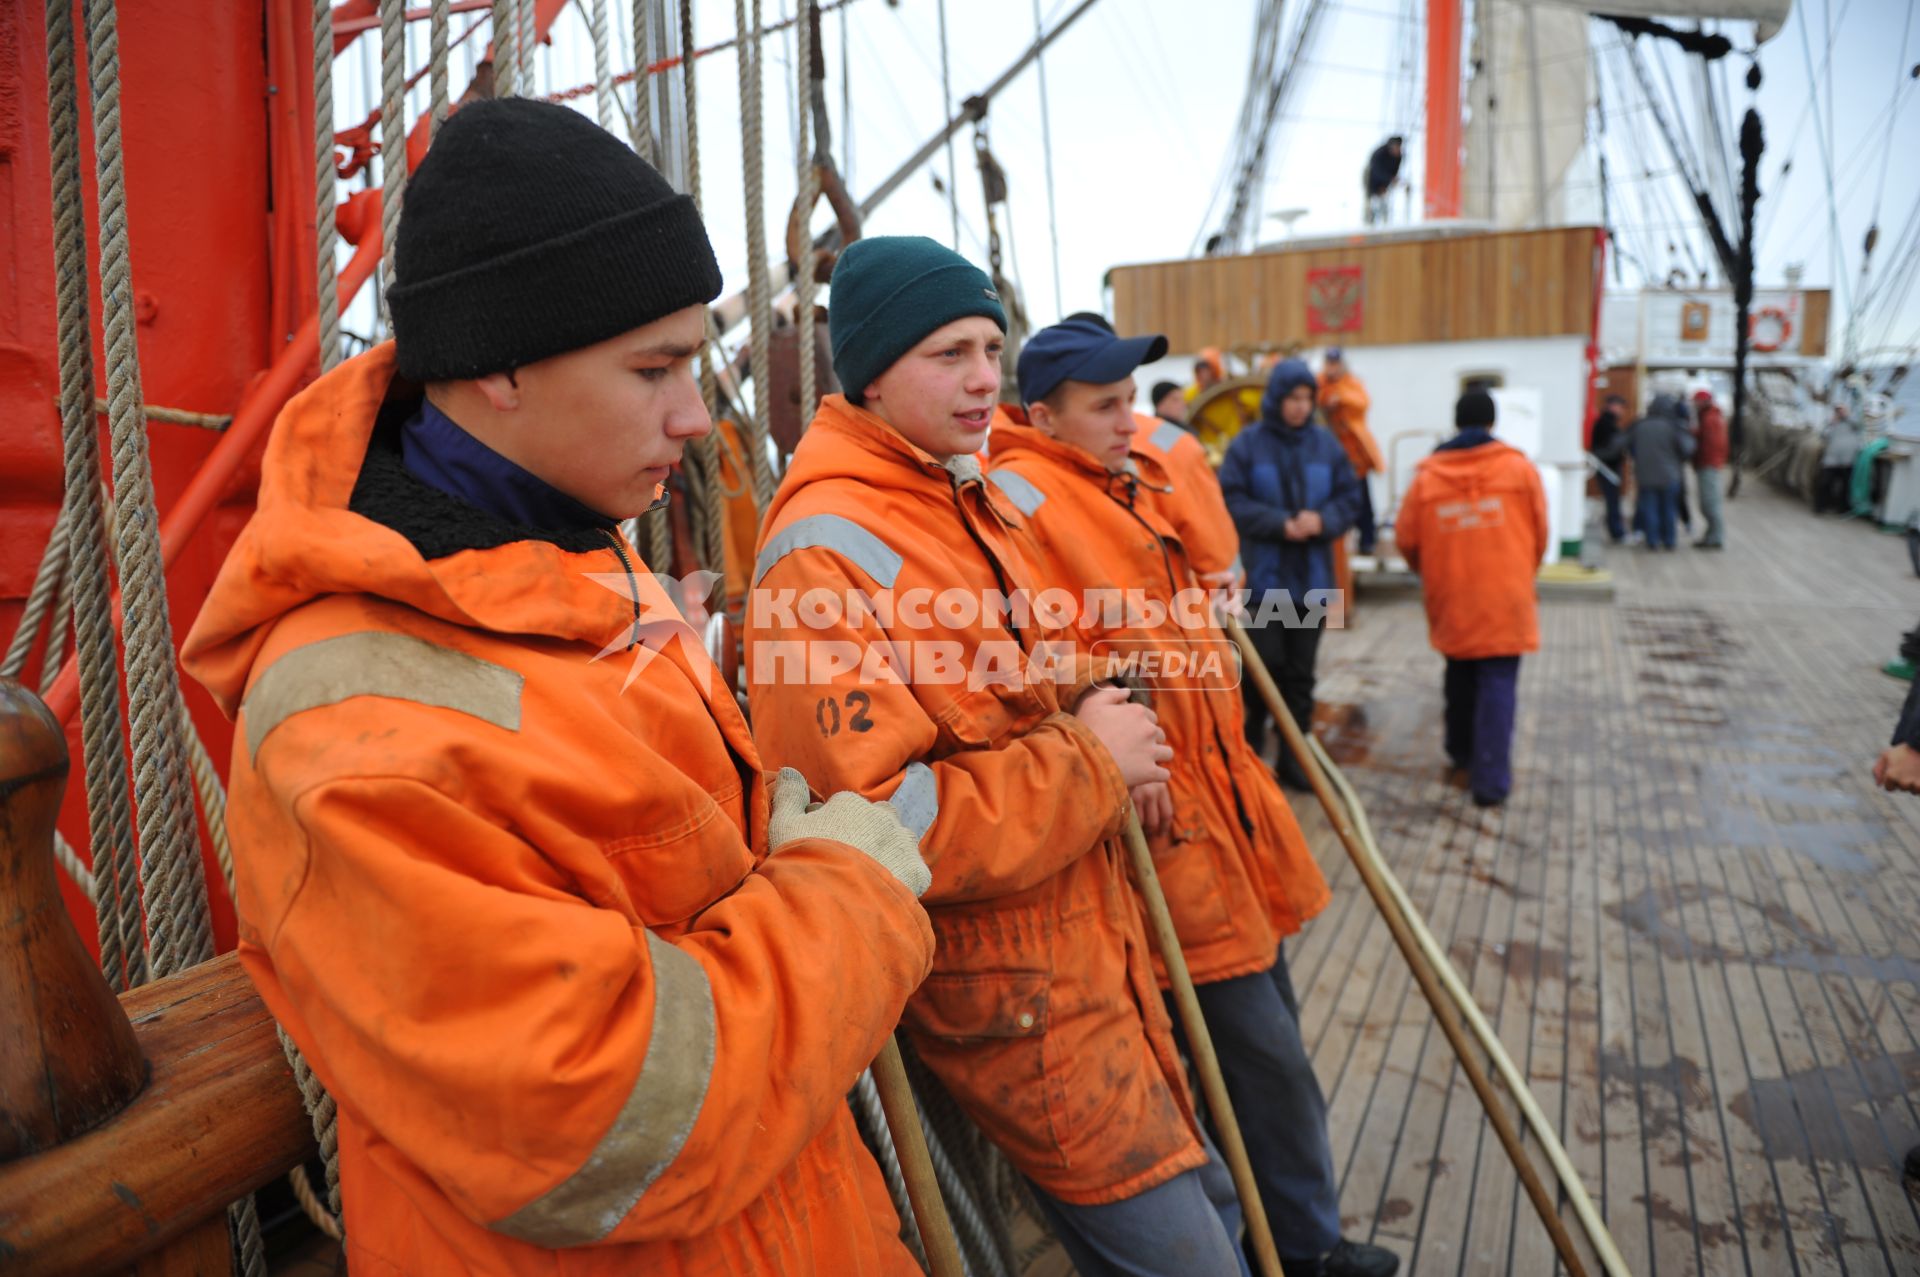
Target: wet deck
1696 925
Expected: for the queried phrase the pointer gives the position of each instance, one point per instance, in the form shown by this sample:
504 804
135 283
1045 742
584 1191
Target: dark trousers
1289 655
1255 1024
1658 510
1480 706
1190 1224
1616 525
1833 490
1369 529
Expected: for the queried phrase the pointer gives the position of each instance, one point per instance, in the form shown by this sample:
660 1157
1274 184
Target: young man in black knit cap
513 900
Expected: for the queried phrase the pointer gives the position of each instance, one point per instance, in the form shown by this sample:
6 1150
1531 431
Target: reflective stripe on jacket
1041 1016
500 851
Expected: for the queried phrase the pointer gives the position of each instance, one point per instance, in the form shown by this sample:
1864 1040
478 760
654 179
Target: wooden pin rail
126 1125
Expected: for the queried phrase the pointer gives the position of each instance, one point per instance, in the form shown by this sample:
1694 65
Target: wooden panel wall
1463 288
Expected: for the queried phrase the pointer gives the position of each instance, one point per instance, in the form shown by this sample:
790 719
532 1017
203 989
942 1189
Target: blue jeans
1480 705
1616 525
1255 1023
1661 507
1189 1225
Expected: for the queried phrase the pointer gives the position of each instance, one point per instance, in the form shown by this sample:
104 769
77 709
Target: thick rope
56 653
438 20
524 39
393 136
602 65
326 238
68 859
504 58
49 581
114 879
758 428
180 932
642 121
180 416
180 924
803 285
659 555
872 1121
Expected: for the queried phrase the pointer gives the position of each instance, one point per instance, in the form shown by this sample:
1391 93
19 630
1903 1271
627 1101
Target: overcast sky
1144 95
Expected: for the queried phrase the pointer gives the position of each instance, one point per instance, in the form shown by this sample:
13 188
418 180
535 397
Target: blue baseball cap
1081 350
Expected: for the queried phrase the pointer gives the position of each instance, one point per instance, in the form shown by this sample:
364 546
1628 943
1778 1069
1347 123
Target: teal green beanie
890 292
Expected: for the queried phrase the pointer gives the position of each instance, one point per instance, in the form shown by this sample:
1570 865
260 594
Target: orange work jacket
1474 526
1236 868
1344 402
1041 1016
1191 500
500 855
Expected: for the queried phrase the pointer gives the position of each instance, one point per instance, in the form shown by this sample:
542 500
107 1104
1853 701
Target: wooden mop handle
1423 974
916 1167
1212 1084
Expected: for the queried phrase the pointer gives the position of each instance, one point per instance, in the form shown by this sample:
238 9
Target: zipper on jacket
999 576
1239 807
633 584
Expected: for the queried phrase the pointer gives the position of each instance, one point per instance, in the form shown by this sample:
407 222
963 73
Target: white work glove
870 827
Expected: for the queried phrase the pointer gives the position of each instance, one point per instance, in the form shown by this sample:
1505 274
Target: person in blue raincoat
1292 494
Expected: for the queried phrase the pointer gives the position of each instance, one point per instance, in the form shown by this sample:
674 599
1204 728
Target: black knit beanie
530 231
1474 408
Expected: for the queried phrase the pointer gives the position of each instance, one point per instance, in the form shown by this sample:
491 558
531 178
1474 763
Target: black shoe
1348 1259
1704 544
1489 800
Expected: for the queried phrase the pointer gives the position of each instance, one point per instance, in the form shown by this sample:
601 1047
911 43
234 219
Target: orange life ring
1780 317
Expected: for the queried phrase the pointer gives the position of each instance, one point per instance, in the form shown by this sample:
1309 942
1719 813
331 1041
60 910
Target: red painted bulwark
215 118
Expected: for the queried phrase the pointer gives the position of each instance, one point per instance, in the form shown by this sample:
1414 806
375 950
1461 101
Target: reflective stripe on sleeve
837 533
379 663
917 800
1020 490
651 1127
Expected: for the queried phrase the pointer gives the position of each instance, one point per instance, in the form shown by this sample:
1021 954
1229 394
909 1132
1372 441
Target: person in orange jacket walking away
1344 402
1474 526
1237 871
589 995
880 658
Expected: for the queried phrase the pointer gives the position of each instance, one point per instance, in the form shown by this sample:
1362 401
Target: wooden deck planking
1730 974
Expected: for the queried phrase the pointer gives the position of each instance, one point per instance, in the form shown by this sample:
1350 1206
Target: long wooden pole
916 1167
1212 1083
1423 974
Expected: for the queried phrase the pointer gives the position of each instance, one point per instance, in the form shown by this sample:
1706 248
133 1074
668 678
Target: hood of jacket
1287 376
338 514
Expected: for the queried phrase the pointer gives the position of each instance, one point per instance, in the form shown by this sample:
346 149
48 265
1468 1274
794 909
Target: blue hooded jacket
1271 472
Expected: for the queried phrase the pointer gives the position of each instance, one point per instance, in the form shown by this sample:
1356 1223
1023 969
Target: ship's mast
1443 109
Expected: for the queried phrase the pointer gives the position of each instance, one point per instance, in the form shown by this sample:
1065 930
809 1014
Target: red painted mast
1443 108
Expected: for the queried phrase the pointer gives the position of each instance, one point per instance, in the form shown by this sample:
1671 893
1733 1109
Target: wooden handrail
126 1126
220 1117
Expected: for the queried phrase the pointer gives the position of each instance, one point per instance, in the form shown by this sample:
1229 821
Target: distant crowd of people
1654 454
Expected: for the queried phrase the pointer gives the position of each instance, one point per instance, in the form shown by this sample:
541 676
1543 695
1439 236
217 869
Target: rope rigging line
602 70
114 876
437 27
326 239
524 38
393 138
757 428
946 108
809 66
502 55
1835 250
641 124
1046 150
179 931
49 582
701 464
